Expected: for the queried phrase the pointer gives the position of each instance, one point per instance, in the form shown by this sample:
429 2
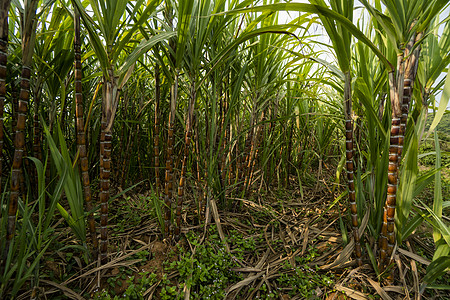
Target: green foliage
71 184
443 127
207 271
33 239
169 291
267 108
135 290
138 208
428 155
305 278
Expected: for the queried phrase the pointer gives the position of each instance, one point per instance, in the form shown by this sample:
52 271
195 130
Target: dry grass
280 233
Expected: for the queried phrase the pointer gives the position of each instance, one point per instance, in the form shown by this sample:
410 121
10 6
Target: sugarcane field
225 149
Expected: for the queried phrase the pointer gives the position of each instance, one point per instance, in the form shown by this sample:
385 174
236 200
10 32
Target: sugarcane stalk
169 160
19 143
224 110
4 9
81 135
15 91
168 187
136 136
350 164
109 107
187 142
245 160
28 38
289 151
408 83
252 155
105 169
156 133
126 139
388 238
36 148
395 150
401 92
387 228
37 152
200 193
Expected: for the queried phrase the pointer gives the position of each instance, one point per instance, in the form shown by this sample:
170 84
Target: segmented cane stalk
407 73
109 106
289 151
234 161
387 238
126 138
252 156
229 157
222 168
349 153
15 99
245 161
3 61
105 171
408 83
36 128
405 108
396 142
19 143
392 186
4 9
182 183
351 187
169 161
200 194
255 156
168 179
239 156
138 130
81 135
156 134
37 152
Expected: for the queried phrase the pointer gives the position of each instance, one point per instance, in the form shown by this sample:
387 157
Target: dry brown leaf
262 260
140 242
291 235
394 288
248 269
112 264
215 212
416 279
245 282
379 289
344 256
414 256
267 238
68 292
305 239
402 275
151 290
351 293
187 292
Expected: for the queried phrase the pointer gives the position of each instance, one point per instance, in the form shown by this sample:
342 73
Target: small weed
208 271
303 279
135 289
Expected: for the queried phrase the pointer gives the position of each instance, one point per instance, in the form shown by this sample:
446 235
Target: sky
285 17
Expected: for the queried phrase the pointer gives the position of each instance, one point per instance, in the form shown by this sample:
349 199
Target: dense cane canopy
200 147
